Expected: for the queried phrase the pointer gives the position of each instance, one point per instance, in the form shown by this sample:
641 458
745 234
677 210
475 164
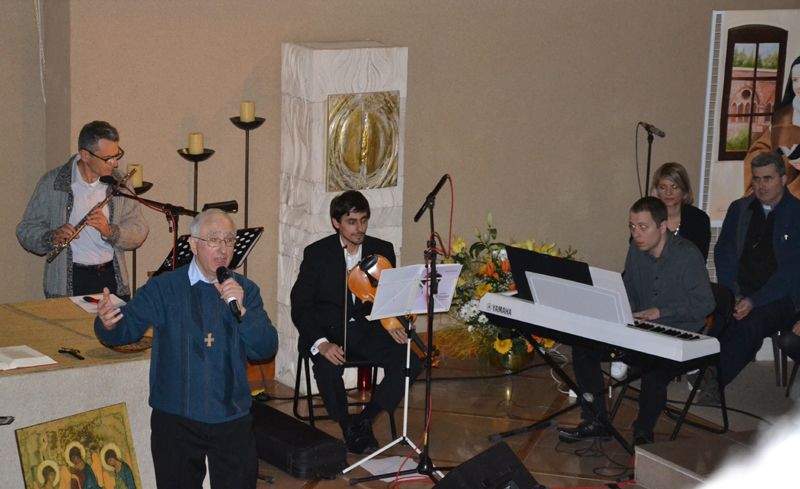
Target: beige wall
530 106
22 149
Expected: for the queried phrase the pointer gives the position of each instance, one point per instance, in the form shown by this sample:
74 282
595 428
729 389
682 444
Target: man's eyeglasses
218 242
106 159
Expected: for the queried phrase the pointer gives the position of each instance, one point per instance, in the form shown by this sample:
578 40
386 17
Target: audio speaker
496 468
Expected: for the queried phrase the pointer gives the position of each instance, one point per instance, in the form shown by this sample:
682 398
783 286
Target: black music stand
246 240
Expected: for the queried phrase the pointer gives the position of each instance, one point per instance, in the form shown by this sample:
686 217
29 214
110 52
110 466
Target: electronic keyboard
645 337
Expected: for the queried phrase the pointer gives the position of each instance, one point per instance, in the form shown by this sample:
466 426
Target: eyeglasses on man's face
217 242
107 159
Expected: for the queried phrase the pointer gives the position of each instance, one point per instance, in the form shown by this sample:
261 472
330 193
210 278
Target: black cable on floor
615 470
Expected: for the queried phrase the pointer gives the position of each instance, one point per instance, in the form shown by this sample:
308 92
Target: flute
82 223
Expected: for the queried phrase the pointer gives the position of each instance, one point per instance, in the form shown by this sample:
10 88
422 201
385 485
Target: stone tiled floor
472 401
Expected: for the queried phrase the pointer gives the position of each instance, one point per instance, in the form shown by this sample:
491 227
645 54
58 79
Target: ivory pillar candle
137 179
196 143
247 111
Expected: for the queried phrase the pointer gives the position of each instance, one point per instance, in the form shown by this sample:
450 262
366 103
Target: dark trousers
589 377
743 338
180 447
91 279
366 342
656 376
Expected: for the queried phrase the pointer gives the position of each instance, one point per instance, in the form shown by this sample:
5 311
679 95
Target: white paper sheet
91 307
403 291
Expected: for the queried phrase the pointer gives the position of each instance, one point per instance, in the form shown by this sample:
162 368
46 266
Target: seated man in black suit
322 305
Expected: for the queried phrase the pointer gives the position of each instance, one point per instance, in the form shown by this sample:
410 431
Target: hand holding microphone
230 290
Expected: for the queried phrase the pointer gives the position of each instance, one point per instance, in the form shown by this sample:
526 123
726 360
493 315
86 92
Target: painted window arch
754 72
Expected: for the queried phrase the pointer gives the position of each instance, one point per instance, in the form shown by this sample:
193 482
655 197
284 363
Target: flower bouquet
486 269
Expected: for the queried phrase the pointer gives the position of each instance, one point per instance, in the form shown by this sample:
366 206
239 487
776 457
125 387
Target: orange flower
487 269
505 266
546 343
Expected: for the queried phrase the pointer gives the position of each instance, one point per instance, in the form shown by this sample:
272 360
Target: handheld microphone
652 129
224 274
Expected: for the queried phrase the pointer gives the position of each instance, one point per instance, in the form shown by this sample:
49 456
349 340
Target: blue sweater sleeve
256 330
145 309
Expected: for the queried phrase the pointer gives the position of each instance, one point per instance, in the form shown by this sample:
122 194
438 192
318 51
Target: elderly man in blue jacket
198 380
758 257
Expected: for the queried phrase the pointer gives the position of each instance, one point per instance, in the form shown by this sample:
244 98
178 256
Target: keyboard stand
548 421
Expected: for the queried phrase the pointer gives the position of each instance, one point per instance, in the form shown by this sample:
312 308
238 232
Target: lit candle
137 179
247 111
196 143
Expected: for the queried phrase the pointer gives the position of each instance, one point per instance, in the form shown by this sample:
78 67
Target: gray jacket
50 207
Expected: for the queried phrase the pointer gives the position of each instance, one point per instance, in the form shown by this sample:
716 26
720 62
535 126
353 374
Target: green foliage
743 59
739 142
769 62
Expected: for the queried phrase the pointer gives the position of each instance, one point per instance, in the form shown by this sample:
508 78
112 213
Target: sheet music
402 291
612 281
575 297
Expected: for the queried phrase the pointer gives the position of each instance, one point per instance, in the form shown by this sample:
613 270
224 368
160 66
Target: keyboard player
666 281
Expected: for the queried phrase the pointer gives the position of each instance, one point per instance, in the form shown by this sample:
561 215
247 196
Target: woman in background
671 185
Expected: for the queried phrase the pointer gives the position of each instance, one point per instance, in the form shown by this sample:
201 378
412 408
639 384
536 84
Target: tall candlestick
247 111
196 143
137 179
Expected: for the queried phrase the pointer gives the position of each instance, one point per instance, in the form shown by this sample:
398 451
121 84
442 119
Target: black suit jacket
318 295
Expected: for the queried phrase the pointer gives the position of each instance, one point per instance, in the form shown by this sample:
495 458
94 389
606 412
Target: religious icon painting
89 450
753 66
363 141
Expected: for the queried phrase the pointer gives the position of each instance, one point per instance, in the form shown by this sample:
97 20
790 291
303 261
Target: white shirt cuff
315 346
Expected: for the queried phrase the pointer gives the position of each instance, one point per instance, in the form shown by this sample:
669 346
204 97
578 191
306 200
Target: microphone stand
649 154
172 213
425 465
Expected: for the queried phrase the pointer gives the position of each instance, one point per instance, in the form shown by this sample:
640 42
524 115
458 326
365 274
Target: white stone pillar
310 73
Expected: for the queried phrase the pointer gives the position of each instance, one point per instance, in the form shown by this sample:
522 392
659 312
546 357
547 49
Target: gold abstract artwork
89 450
363 141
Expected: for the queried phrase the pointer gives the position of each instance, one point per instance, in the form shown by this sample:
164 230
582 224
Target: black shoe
584 431
359 437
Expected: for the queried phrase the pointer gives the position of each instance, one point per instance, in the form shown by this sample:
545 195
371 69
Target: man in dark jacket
758 257
322 306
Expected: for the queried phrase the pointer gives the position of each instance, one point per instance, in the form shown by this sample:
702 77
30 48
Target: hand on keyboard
648 314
